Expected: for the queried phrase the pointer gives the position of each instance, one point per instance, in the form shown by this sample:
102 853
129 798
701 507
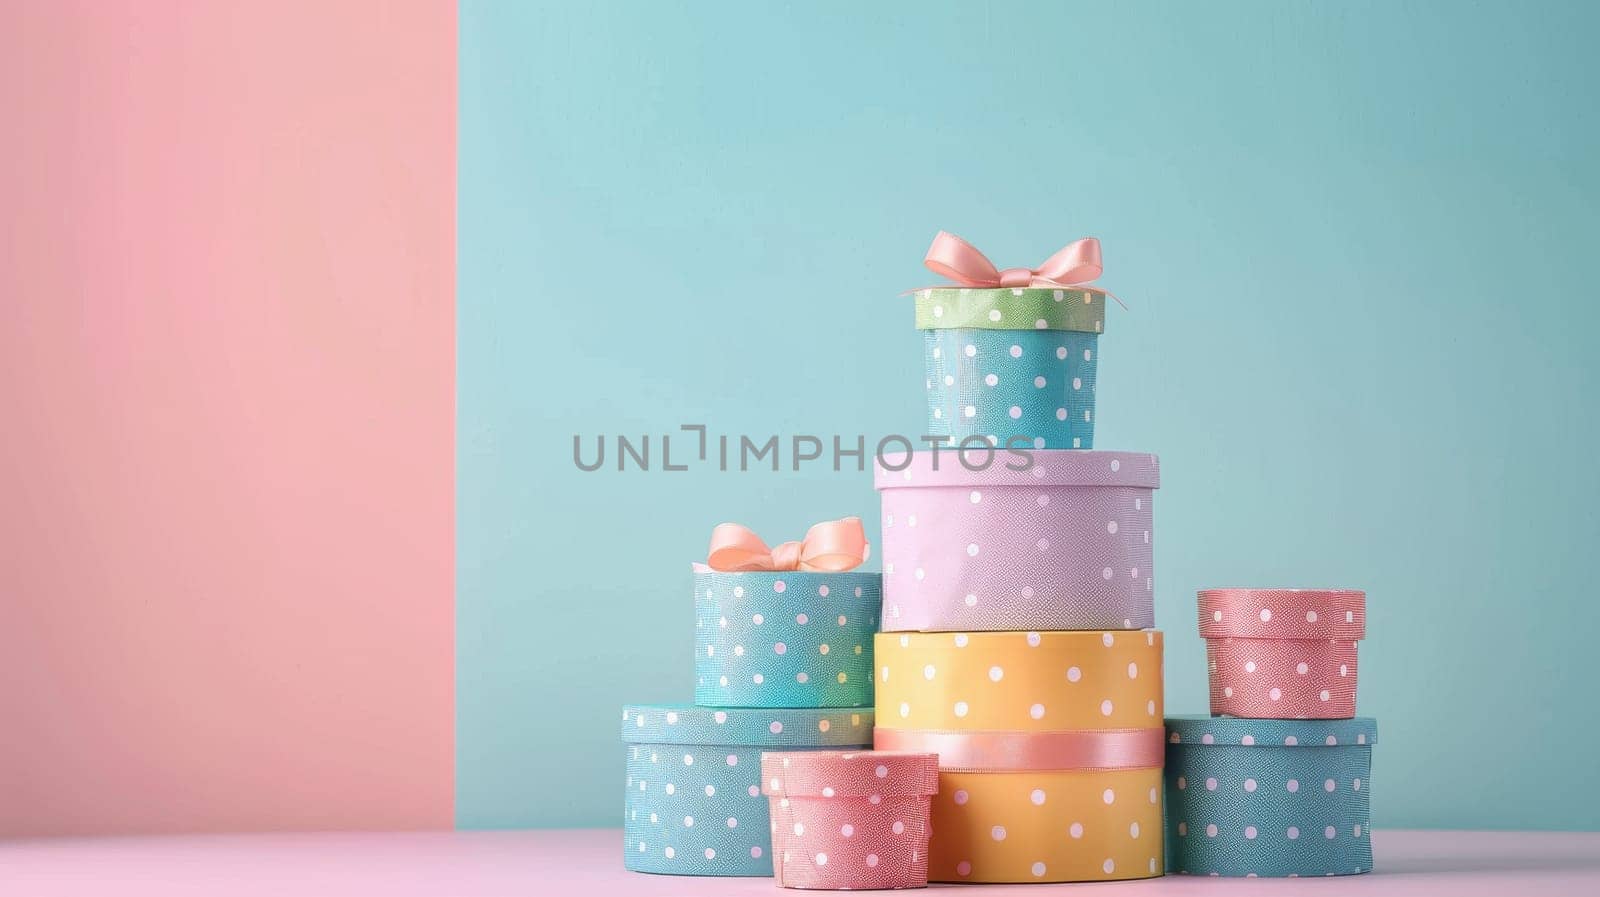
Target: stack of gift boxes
1276 782
1017 681
783 660
1018 589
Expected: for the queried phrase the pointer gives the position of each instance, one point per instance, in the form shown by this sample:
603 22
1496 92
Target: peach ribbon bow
1074 265
829 547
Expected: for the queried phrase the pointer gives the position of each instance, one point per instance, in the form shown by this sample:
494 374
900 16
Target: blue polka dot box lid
1228 730
758 727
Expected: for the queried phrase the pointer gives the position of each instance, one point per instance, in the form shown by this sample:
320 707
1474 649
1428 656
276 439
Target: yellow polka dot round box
1050 749
1028 539
785 639
692 802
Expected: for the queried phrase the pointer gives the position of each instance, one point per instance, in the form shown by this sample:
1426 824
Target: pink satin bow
829 547
1073 266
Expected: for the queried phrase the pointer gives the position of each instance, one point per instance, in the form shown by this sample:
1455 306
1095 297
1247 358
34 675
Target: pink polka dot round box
692 799
850 820
977 540
1282 653
785 639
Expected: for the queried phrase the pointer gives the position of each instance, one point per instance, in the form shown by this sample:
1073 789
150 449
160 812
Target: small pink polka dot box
1283 653
999 539
850 820
692 802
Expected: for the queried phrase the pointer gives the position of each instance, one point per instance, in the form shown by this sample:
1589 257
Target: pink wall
226 415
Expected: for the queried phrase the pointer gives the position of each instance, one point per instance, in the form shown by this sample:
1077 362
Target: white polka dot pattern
1338 614
1066 542
1272 678
786 639
1019 681
1054 826
1000 384
1290 797
1024 689
1012 308
850 820
1282 653
692 796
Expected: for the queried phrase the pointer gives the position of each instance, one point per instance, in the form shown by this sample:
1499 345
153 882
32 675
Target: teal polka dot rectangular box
1012 364
692 799
1269 798
785 639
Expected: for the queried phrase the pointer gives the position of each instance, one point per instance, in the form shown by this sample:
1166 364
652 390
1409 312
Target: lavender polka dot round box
1008 540
1012 363
692 801
785 639
1269 797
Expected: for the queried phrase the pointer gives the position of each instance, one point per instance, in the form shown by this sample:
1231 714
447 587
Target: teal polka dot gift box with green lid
1269 797
1010 356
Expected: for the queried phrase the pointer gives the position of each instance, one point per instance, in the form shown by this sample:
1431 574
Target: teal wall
1355 237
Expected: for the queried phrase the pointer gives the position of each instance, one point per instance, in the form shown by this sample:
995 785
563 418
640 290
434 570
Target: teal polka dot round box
1267 797
693 803
785 639
1010 364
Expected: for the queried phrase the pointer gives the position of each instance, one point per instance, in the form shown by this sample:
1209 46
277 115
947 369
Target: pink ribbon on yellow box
832 546
1031 751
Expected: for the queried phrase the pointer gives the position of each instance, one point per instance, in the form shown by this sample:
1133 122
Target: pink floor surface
588 863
